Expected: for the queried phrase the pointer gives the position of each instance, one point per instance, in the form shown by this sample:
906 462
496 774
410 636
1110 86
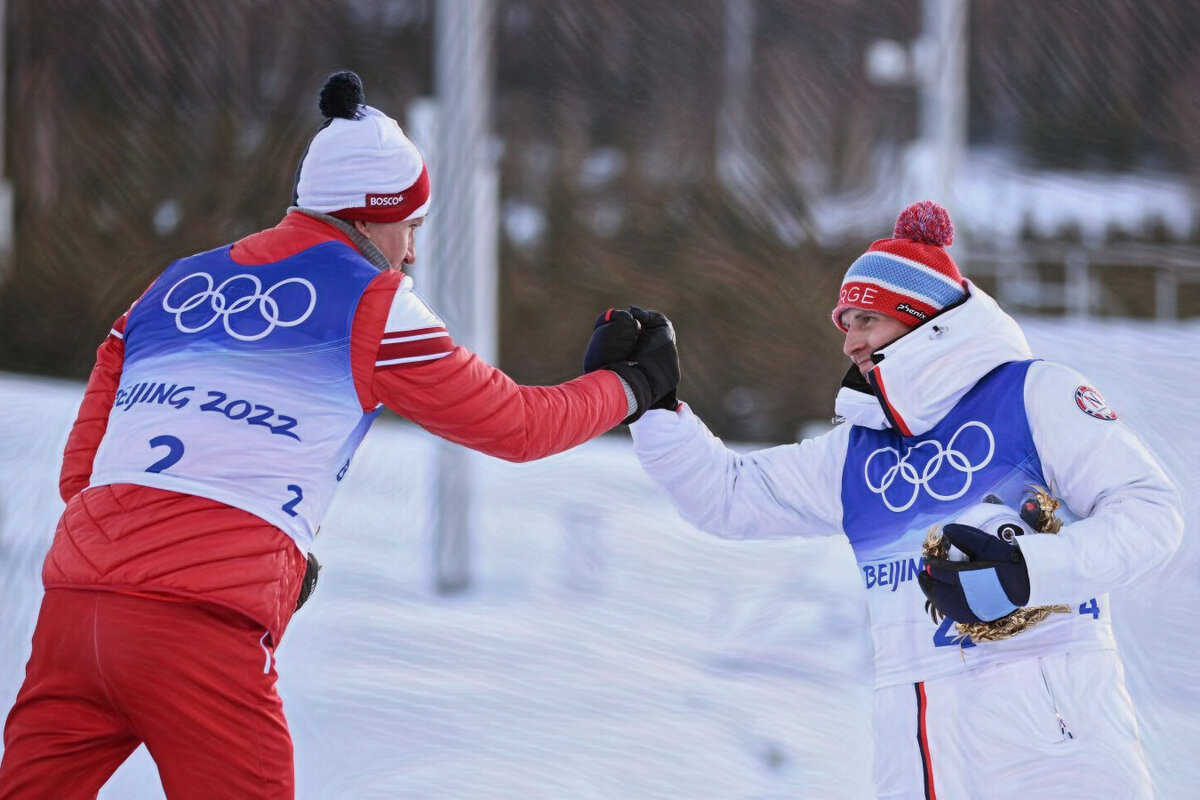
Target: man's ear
361 227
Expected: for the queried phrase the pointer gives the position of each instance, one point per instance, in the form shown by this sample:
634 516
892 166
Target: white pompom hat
360 165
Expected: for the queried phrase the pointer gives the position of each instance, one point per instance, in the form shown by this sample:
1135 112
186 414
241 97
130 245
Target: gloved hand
309 584
614 336
652 321
992 583
639 346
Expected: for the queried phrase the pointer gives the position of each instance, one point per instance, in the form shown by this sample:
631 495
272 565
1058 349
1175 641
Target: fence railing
1040 276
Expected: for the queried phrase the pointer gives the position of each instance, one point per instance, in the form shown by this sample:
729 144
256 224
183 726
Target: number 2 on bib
174 452
290 505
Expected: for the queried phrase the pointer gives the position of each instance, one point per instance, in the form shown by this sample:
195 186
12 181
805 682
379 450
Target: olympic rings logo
211 303
911 480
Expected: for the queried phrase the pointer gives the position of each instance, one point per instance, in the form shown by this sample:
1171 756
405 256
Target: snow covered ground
607 650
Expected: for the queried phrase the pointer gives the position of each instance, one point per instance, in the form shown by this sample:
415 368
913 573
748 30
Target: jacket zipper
1063 729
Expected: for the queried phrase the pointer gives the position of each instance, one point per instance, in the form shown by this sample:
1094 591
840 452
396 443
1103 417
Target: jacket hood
922 375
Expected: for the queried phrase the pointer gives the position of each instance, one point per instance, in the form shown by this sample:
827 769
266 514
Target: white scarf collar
924 373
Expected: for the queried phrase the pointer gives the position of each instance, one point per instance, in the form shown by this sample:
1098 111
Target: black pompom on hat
341 96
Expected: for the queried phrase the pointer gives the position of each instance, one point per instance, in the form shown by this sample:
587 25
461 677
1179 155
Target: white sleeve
1131 517
409 312
790 490
413 334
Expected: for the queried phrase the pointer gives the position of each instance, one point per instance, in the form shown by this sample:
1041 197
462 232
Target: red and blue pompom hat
909 277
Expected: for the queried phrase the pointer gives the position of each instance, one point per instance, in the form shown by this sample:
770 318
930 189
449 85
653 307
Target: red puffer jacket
146 541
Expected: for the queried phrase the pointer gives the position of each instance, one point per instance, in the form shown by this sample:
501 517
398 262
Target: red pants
110 671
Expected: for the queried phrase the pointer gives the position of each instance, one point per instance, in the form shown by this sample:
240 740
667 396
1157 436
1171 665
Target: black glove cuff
670 402
638 383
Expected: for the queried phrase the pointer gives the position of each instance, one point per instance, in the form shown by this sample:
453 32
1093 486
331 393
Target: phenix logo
916 312
892 573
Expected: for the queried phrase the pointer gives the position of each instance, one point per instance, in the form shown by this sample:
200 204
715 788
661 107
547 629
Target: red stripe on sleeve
401 353
389 336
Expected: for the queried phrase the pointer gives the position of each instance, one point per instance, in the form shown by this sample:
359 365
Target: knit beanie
909 277
360 165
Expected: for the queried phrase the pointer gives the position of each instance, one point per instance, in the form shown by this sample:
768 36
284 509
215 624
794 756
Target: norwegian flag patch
1092 403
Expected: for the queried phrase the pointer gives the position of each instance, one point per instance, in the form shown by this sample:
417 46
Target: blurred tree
142 131
1087 84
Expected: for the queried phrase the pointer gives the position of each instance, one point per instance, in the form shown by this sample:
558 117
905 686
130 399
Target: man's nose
852 344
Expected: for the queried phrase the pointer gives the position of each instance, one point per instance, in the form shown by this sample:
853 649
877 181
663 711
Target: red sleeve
421 374
92 419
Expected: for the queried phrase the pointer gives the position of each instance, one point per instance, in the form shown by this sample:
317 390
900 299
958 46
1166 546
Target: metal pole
464 222
941 61
1078 284
6 189
1166 295
735 159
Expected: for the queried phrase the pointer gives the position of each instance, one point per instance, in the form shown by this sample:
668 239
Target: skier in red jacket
223 409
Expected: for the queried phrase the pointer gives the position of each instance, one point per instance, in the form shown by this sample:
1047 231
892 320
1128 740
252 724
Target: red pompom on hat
360 165
909 277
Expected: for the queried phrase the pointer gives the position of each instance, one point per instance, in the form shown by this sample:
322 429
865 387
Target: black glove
309 584
614 336
650 321
639 346
992 583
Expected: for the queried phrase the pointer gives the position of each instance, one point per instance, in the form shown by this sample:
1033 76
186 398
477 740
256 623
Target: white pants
1056 727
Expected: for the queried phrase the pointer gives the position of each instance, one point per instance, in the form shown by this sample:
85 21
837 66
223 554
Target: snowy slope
607 649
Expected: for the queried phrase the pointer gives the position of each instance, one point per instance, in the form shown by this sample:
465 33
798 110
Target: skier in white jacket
943 407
